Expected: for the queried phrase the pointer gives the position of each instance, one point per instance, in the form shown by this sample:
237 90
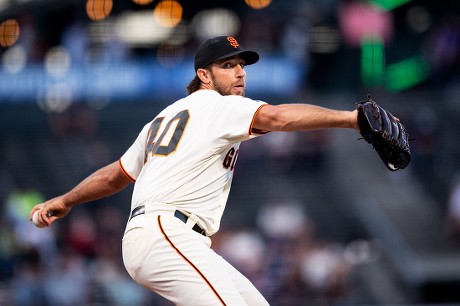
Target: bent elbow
113 178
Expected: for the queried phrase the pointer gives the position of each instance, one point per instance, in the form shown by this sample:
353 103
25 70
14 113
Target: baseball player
182 166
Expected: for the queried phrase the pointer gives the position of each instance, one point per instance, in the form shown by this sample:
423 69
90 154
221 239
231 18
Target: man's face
228 76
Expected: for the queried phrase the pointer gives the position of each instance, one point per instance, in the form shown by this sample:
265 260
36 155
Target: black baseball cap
221 47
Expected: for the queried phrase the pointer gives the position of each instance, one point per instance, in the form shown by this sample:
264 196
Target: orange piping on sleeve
125 172
253 130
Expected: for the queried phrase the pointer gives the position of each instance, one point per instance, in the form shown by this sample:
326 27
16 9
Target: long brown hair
194 85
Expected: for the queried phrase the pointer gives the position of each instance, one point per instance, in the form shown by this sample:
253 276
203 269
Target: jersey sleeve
132 160
233 117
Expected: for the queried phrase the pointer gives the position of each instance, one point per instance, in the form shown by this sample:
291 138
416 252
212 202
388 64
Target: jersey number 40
172 131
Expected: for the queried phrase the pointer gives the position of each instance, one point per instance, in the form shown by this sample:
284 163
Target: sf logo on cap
232 42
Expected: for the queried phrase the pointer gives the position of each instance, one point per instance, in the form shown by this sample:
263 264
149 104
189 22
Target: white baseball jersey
186 155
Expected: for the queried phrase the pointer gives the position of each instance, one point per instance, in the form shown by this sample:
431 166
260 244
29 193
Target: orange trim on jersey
125 172
253 130
189 262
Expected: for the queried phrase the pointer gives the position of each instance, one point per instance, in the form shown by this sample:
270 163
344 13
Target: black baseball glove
385 133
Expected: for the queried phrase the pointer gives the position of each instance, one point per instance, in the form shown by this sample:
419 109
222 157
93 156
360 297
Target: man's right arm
102 183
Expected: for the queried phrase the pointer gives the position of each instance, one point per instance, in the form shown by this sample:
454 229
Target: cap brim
249 57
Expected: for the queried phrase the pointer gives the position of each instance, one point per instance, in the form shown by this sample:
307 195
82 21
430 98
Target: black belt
140 210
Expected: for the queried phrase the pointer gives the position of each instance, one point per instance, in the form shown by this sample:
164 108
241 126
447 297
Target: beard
225 90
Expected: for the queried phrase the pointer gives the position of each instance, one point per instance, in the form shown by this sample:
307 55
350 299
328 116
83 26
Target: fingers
50 211
36 207
45 215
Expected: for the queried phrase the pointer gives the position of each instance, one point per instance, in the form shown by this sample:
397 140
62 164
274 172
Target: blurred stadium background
313 219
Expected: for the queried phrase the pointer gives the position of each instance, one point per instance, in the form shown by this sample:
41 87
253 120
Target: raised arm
102 183
302 117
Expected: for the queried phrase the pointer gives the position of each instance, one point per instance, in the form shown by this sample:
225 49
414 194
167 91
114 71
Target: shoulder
203 93
240 99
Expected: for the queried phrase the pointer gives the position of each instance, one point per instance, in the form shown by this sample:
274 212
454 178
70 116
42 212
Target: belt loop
192 220
195 224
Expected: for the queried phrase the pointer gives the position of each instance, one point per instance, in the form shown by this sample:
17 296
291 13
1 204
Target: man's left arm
302 117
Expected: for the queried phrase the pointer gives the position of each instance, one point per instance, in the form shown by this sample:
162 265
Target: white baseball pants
163 254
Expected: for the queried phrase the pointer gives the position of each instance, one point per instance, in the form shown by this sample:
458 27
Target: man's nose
240 72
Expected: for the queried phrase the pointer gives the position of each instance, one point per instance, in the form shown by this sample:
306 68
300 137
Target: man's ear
204 75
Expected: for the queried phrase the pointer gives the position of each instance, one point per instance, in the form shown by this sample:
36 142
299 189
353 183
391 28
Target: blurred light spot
215 22
359 19
258 4
419 19
321 267
142 2
179 35
245 249
57 62
372 61
406 73
284 219
96 59
139 28
101 32
388 5
168 13
14 59
98 9
361 252
99 101
170 55
4 4
56 98
324 39
9 32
